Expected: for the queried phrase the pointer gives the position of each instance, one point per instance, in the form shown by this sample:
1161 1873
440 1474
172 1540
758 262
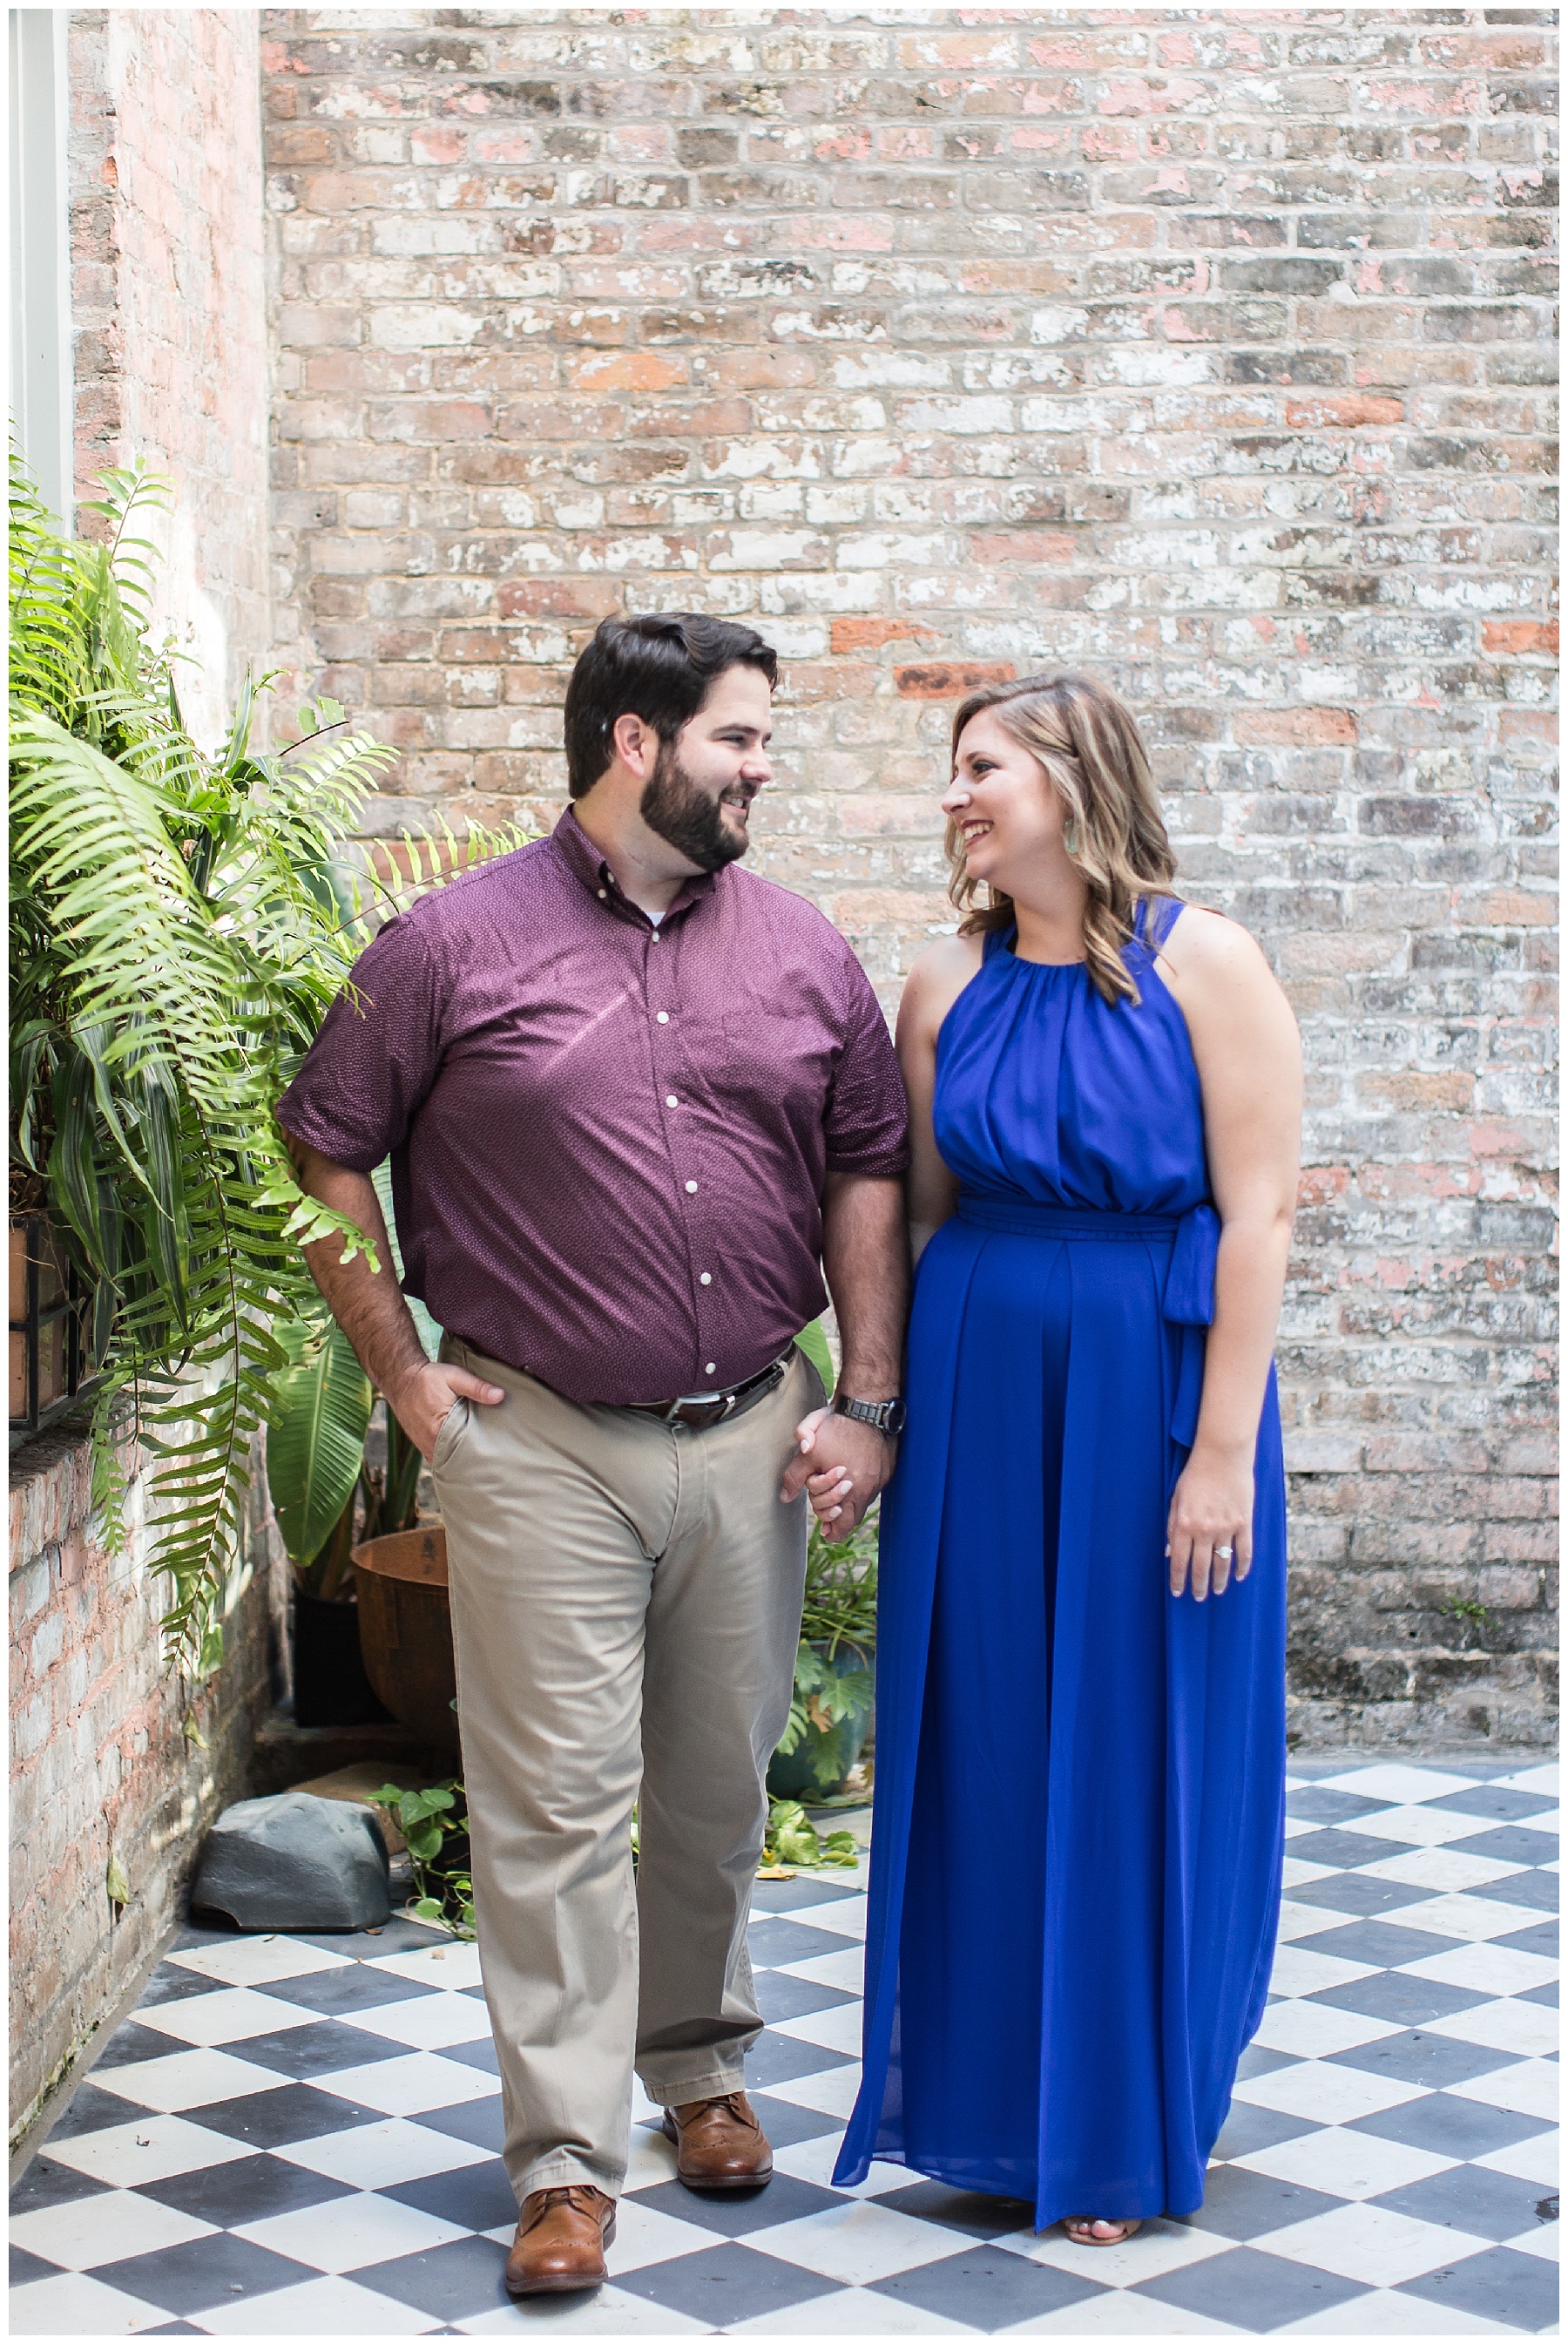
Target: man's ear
636 744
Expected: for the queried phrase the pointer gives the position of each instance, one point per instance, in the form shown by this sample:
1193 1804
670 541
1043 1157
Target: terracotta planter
406 1632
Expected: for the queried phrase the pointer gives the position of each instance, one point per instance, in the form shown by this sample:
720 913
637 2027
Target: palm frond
316 1424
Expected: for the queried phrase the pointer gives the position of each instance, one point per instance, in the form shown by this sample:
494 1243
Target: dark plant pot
817 1766
330 1686
406 1631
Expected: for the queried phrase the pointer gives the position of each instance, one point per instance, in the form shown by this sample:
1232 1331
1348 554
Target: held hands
842 1466
1209 1533
426 1398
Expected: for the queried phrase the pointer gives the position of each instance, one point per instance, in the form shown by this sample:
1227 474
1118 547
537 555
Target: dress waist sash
1187 1298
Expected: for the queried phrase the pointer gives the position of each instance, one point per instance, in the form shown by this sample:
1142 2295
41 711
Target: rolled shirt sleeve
867 1123
378 1052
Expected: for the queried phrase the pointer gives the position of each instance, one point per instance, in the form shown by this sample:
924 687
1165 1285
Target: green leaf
434 1801
814 1343
116 1885
841 1603
792 1840
319 1416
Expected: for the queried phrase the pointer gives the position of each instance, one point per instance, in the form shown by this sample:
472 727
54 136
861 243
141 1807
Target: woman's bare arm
934 982
1249 1061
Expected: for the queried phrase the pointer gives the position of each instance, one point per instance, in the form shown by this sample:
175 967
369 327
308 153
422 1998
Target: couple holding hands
639 1102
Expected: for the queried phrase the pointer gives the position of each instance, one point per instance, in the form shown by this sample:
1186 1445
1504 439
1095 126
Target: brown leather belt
715 1407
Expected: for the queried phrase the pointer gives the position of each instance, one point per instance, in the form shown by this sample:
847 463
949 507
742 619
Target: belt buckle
696 1415
722 1404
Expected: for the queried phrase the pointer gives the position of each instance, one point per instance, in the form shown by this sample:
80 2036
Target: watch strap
887 1416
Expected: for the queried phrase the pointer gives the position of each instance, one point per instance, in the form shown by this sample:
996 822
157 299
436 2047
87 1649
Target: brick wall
170 361
100 1765
1205 351
168 301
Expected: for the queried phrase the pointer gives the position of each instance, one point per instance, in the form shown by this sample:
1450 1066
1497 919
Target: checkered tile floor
298 2135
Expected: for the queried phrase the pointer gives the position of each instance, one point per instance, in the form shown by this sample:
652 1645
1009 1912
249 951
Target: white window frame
42 379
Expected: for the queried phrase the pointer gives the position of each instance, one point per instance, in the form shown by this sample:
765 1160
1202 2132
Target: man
635 1099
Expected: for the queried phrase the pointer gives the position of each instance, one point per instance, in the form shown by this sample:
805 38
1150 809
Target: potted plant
173 943
331 1503
434 1826
180 920
372 1616
317 1432
835 1668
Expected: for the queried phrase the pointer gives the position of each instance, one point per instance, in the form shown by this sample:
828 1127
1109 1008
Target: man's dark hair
659 668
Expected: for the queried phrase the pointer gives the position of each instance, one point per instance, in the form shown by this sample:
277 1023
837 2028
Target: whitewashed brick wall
1208 351
169 306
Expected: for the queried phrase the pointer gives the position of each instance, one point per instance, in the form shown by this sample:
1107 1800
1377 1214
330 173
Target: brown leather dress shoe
719 2144
561 2237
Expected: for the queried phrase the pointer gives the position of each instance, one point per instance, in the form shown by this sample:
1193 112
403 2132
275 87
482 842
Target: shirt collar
584 860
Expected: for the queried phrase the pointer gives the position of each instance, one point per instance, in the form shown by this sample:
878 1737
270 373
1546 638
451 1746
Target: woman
1075 1869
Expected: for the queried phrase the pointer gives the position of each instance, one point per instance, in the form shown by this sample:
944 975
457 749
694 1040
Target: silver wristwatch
886 1415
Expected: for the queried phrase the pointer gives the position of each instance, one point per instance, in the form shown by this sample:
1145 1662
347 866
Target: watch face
897 1416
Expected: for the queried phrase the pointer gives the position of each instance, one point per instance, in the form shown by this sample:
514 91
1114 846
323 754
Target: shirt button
602 894
706 1279
711 1369
664 1017
654 938
673 1100
691 1187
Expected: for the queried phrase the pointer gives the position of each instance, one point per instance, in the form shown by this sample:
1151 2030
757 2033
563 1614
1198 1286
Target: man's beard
685 818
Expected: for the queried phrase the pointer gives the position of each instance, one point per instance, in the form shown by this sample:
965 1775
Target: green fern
180 923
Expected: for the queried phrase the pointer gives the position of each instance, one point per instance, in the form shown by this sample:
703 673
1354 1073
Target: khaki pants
626 1606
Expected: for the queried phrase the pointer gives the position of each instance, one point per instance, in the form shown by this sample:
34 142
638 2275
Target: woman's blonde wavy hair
1090 748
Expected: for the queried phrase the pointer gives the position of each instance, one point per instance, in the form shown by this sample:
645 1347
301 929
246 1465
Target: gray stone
295 1861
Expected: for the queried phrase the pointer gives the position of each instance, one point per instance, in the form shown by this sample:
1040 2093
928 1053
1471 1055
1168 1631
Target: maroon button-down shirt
609 1141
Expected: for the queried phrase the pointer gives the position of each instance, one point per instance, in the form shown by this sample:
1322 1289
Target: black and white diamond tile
299 2136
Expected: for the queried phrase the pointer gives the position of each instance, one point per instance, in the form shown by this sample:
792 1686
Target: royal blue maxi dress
1080 1790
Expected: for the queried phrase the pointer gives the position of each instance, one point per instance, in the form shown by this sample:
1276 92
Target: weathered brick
99 1756
949 679
168 303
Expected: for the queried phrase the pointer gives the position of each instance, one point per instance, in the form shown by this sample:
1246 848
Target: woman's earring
1070 835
